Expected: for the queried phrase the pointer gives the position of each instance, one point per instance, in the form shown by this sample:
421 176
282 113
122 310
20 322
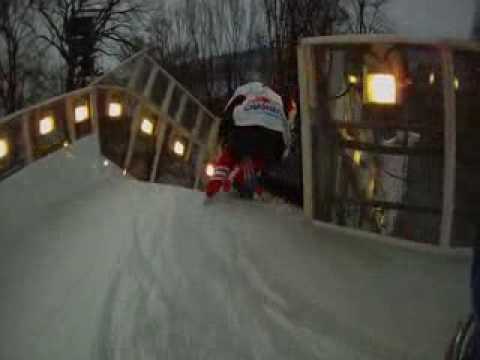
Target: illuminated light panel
4 148
179 148
431 78
456 83
124 172
147 126
106 163
352 79
46 125
66 144
210 170
81 113
381 89
357 157
115 109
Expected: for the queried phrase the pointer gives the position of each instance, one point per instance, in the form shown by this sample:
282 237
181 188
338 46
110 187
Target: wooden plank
388 150
448 74
305 70
388 205
381 126
362 39
162 129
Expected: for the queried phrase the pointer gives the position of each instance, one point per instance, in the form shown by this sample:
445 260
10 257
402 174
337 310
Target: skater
256 134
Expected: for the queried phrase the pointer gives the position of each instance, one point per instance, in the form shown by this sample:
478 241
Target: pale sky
437 18
428 18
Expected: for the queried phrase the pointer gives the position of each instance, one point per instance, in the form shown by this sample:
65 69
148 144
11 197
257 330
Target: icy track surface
97 266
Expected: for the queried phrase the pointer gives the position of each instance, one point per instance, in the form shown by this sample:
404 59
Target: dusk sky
442 18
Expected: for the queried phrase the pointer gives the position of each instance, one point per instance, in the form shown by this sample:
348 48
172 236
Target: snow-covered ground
97 266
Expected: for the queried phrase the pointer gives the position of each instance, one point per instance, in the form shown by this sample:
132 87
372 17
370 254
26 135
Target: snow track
97 266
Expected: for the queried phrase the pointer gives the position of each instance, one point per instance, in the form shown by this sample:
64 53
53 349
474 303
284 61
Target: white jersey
262 107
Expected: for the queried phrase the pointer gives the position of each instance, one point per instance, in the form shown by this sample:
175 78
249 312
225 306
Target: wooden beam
380 126
70 118
181 108
94 109
27 139
305 71
198 123
389 205
168 98
199 167
162 129
151 81
449 173
135 125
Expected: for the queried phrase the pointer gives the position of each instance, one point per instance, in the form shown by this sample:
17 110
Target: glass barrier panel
467 89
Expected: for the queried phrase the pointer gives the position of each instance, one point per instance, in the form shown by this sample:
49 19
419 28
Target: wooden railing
148 124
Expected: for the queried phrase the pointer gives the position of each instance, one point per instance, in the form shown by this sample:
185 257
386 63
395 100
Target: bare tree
366 16
111 22
16 44
289 20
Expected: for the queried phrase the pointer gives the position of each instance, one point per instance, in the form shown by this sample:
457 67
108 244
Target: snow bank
97 266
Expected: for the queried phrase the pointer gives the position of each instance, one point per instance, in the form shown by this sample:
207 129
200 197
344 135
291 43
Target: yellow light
357 157
46 125
381 89
66 144
179 148
431 78
456 83
4 148
115 110
210 170
371 187
147 126
352 79
81 113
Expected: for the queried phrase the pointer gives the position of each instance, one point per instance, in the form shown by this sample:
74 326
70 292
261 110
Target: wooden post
213 136
199 167
151 81
94 109
133 135
27 139
181 108
450 146
305 71
70 118
168 98
198 123
162 129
